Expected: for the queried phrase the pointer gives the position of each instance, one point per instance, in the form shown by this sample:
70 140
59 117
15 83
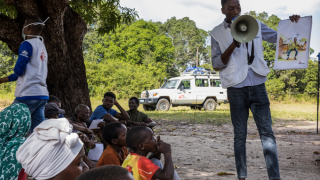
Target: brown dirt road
201 151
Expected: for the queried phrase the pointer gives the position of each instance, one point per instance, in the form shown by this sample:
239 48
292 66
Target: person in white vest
243 71
31 71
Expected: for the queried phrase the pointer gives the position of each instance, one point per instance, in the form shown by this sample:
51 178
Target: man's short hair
135 99
223 2
110 94
36 28
53 98
79 108
135 136
105 173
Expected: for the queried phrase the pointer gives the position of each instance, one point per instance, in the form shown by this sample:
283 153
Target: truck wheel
163 105
210 105
148 107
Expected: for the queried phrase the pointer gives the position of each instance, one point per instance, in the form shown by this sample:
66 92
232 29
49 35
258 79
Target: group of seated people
59 147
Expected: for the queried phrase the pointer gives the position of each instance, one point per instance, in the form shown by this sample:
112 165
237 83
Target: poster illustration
293 44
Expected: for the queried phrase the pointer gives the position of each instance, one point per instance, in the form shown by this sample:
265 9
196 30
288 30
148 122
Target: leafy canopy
187 39
109 12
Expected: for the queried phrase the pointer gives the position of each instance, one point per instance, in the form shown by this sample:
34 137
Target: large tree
188 40
63 36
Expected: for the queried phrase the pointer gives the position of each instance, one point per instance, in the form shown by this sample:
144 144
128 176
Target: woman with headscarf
15 122
53 152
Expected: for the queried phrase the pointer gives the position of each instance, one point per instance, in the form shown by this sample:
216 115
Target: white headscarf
50 149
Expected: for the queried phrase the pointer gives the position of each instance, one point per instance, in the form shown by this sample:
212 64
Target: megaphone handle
236 43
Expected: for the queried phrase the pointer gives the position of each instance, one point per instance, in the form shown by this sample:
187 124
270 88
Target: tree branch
27 8
10 2
10 33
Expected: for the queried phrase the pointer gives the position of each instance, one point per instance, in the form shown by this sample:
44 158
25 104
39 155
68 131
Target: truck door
220 93
185 96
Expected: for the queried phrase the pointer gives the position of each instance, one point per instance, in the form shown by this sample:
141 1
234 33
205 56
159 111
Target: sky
207 13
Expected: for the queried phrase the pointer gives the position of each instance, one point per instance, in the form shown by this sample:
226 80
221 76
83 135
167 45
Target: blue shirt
100 111
252 78
25 53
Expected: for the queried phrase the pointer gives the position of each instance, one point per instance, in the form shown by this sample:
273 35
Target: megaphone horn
244 28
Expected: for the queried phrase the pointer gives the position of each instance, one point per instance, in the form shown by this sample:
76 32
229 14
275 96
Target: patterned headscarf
15 122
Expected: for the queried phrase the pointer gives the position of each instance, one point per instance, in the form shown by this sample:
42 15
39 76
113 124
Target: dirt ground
201 151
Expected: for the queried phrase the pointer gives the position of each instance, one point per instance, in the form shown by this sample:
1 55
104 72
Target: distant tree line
140 55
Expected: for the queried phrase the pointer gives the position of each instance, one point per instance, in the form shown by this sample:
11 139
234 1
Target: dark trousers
256 99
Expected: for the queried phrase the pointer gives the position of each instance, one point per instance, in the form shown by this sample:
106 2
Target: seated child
106 112
141 141
115 153
57 101
107 172
138 118
52 111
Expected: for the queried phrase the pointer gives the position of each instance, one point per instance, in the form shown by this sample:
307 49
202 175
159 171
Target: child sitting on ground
138 118
115 153
110 172
141 141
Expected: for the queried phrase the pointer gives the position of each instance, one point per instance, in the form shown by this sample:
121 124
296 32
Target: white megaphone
244 28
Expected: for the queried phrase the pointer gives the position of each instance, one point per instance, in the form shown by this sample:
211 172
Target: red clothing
140 167
22 175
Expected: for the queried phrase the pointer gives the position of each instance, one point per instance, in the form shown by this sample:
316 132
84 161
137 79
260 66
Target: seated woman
53 152
15 122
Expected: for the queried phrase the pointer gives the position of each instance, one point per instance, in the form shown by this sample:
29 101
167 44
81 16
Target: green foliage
7 62
108 12
298 81
138 43
275 86
133 58
311 51
6 10
186 38
123 78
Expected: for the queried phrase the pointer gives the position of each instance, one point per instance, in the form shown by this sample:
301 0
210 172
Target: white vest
237 68
33 81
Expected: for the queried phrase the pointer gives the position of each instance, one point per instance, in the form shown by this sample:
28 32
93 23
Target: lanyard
250 58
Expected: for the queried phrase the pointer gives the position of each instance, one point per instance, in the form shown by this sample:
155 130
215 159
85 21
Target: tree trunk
63 35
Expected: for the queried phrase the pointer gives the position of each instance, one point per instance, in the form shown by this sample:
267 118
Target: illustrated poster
293 44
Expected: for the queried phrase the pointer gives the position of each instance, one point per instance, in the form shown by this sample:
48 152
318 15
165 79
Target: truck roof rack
199 73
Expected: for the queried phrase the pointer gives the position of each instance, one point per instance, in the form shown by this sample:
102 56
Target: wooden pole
197 63
318 95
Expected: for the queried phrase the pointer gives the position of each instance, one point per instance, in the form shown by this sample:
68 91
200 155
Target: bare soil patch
201 151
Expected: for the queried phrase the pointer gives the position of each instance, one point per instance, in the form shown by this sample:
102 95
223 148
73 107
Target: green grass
291 110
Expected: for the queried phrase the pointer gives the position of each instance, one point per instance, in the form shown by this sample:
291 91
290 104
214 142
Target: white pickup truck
190 89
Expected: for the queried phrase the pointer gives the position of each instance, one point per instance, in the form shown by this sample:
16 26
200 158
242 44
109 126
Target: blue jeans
256 99
36 108
292 50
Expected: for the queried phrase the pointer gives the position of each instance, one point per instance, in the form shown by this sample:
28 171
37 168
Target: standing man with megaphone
237 54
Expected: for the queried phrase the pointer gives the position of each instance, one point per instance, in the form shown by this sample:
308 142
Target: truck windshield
170 84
